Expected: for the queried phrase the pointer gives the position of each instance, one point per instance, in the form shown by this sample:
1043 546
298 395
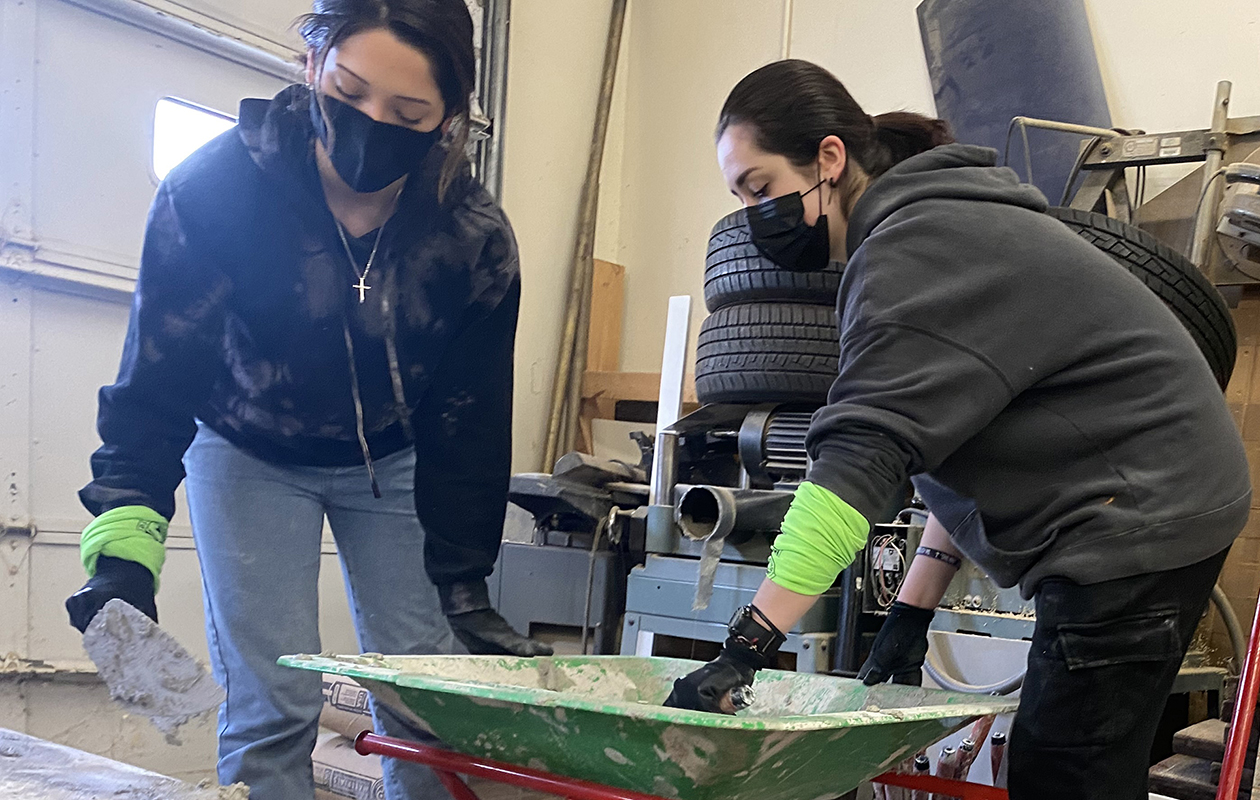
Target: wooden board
642 386
608 292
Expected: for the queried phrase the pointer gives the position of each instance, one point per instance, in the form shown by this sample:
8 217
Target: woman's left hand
485 633
479 627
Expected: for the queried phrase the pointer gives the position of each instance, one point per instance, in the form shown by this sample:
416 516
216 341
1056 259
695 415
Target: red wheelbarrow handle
446 764
1244 711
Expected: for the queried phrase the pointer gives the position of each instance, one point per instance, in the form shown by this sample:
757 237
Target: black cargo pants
1102 662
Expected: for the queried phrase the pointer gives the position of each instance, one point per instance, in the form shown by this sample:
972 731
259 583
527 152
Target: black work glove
707 688
475 623
115 578
900 647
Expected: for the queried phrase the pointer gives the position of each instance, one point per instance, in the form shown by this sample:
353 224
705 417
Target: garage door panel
76 344
92 173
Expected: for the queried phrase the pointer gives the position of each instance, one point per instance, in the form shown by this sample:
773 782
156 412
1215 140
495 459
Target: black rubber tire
1171 276
736 272
767 353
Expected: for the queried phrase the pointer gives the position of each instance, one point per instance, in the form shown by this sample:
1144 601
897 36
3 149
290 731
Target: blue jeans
258 526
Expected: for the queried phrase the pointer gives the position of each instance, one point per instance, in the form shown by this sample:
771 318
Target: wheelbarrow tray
599 718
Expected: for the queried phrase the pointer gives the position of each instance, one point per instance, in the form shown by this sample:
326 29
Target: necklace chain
362 285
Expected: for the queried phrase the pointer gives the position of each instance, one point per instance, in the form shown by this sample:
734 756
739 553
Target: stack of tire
771 333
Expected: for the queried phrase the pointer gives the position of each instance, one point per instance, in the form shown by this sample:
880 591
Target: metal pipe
1065 127
664 470
1205 220
494 56
736 515
584 244
1237 640
368 743
1244 711
581 347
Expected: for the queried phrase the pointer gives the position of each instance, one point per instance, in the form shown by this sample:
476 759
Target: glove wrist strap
751 628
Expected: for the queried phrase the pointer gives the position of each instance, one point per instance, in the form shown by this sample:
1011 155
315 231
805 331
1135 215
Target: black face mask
369 155
781 234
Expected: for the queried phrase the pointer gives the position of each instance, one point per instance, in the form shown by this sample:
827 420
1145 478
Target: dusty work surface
600 718
33 769
147 671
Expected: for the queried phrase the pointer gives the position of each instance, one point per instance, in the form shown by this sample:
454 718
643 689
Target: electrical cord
606 525
886 580
590 578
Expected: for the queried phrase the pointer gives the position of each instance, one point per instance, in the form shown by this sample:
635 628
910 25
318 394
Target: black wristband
939 555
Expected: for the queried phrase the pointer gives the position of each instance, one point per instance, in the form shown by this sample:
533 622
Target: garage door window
179 128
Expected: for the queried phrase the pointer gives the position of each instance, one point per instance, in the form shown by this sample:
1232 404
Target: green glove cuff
132 533
820 536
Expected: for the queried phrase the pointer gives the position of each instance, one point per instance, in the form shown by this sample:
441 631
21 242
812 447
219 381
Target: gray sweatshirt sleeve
907 396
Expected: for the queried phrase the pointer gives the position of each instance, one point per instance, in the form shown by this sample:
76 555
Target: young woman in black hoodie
1063 428
323 328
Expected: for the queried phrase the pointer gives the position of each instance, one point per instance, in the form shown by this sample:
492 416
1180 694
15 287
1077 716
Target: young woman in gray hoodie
1061 424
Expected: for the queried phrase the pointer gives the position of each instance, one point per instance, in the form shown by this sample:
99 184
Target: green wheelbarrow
599 719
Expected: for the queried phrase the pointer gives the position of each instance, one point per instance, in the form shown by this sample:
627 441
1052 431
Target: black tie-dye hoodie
240 320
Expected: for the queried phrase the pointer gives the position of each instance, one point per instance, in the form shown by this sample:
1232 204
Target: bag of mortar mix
345 708
343 774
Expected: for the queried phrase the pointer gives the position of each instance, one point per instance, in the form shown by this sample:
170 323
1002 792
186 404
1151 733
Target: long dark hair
441 29
793 105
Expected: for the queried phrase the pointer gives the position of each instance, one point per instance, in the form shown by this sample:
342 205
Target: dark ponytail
793 105
441 29
906 134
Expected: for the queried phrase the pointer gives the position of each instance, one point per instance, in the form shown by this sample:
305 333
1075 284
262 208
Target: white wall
683 59
555 53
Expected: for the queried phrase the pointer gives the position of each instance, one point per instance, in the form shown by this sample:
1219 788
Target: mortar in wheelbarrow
599 718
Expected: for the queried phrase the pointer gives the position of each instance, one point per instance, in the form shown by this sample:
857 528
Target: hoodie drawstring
358 410
395 377
391 352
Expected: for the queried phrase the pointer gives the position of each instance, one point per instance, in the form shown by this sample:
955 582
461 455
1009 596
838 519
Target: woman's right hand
713 687
115 579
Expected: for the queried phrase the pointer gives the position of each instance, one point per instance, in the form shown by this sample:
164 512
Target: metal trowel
147 671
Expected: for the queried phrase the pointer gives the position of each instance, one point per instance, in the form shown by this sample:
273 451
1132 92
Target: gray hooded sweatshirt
1053 413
